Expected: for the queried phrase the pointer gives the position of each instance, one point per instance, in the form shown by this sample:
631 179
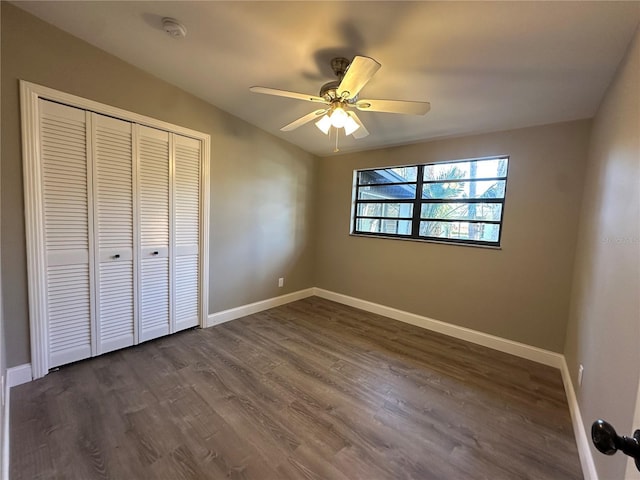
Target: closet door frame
30 94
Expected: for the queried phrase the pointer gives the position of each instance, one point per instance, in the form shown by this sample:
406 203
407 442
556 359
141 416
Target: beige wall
3 371
604 327
3 360
520 292
261 187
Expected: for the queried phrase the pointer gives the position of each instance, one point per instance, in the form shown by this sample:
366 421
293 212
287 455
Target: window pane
483 232
477 189
388 175
495 167
462 211
385 210
387 192
371 225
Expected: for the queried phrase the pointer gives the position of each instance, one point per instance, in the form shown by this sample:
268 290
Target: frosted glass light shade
339 117
324 124
350 126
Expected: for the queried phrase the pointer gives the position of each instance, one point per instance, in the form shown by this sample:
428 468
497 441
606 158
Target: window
454 202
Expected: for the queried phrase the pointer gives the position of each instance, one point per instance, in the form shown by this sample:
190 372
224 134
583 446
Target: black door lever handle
607 441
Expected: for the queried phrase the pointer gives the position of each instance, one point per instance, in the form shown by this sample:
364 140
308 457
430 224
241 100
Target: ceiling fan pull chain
337 135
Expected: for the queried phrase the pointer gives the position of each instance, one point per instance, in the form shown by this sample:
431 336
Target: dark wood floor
309 390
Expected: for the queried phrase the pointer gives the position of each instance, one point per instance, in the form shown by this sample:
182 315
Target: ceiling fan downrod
339 65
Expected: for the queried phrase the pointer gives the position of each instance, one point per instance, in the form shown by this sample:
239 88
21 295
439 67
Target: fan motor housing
329 91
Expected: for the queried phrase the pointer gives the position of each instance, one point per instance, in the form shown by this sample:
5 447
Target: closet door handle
116 256
607 441
154 253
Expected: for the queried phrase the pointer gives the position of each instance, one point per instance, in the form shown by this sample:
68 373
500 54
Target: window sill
380 237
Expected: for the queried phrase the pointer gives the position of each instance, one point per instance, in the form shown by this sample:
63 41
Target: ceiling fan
340 97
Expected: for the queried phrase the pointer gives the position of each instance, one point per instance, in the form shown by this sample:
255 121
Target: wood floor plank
309 390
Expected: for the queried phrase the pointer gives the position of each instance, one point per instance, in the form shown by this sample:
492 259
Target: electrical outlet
281 282
580 374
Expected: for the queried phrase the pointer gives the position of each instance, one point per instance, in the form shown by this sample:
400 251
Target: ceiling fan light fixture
324 124
341 96
339 117
350 126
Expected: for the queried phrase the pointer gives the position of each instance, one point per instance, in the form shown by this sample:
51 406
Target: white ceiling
484 66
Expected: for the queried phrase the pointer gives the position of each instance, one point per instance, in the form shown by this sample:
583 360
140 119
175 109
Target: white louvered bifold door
154 211
67 233
187 161
113 224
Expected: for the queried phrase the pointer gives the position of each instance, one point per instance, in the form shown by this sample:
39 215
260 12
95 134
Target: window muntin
467 231
462 211
385 226
393 191
465 169
393 210
464 190
455 202
389 175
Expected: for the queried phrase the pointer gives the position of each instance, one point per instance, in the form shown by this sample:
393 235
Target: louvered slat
114 182
187 191
113 210
66 231
187 290
187 231
64 163
153 195
69 313
116 305
154 304
153 189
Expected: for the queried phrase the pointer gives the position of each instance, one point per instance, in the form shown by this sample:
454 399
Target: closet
116 237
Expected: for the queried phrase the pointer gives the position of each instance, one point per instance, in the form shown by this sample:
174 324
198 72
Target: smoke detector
174 28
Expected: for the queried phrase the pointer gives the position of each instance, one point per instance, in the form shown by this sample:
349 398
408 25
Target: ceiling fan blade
361 132
360 71
288 94
302 120
393 106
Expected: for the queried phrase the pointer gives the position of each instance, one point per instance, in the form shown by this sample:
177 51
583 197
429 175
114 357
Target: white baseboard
582 440
518 349
15 376
244 310
4 431
19 375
